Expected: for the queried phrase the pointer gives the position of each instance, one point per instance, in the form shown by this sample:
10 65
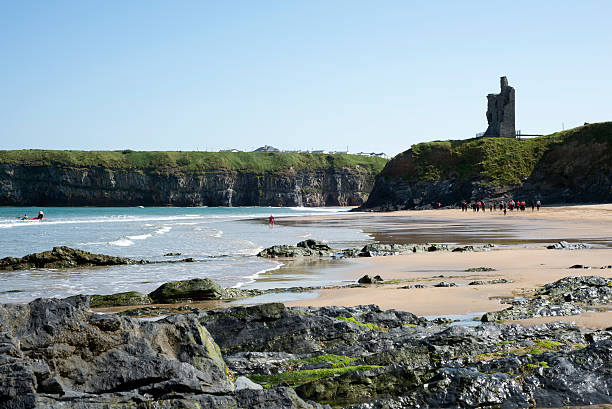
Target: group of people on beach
519 205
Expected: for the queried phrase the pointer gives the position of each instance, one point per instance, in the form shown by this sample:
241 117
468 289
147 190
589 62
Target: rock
534 308
306 248
366 279
119 299
564 245
378 249
476 269
438 247
63 257
59 348
445 284
242 382
585 289
172 254
580 266
314 245
500 112
299 330
494 281
195 289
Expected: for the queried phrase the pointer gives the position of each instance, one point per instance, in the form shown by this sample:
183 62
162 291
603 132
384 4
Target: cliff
128 178
573 166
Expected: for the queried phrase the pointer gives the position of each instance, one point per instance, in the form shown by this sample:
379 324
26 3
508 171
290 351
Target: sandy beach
528 264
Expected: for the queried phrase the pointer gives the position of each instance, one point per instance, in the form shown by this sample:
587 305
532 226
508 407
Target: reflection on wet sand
304 273
491 228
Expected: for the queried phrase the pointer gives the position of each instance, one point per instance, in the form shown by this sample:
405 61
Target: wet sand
529 265
570 223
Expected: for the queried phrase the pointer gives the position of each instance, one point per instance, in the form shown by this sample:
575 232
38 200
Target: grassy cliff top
496 160
193 162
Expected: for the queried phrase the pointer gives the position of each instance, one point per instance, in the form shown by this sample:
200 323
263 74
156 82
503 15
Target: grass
541 364
362 324
296 378
190 162
541 346
501 161
336 361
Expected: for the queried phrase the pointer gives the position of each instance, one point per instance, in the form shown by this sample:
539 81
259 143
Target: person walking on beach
538 204
271 221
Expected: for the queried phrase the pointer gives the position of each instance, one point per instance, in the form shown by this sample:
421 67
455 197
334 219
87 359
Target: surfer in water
41 215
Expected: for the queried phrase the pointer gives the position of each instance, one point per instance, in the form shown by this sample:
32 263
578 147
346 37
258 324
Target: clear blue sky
373 75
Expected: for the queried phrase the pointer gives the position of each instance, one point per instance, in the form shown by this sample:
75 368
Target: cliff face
48 185
568 167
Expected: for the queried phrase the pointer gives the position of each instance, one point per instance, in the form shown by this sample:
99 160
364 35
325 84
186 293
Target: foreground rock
55 354
63 257
567 296
196 289
364 357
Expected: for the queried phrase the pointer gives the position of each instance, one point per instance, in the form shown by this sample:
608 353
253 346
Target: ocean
223 241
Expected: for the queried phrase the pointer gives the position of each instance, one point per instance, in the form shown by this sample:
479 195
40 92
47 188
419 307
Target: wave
122 242
140 237
163 230
253 277
320 209
112 219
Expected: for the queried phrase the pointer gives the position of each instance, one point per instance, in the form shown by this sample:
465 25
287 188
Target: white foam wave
163 230
139 237
112 219
122 242
321 209
253 277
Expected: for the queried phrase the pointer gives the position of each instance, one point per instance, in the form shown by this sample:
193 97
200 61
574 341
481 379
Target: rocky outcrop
31 185
55 354
194 289
567 296
63 257
314 248
500 112
564 245
574 166
364 357
306 248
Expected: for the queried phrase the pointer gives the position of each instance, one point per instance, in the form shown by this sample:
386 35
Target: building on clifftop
500 112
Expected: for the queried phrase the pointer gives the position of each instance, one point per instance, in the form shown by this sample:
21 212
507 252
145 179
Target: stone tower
500 112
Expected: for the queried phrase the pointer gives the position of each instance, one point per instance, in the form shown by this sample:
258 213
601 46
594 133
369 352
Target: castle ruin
500 112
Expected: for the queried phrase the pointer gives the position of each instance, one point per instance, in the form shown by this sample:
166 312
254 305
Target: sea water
222 241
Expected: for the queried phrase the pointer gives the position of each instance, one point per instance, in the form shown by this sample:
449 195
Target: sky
373 76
